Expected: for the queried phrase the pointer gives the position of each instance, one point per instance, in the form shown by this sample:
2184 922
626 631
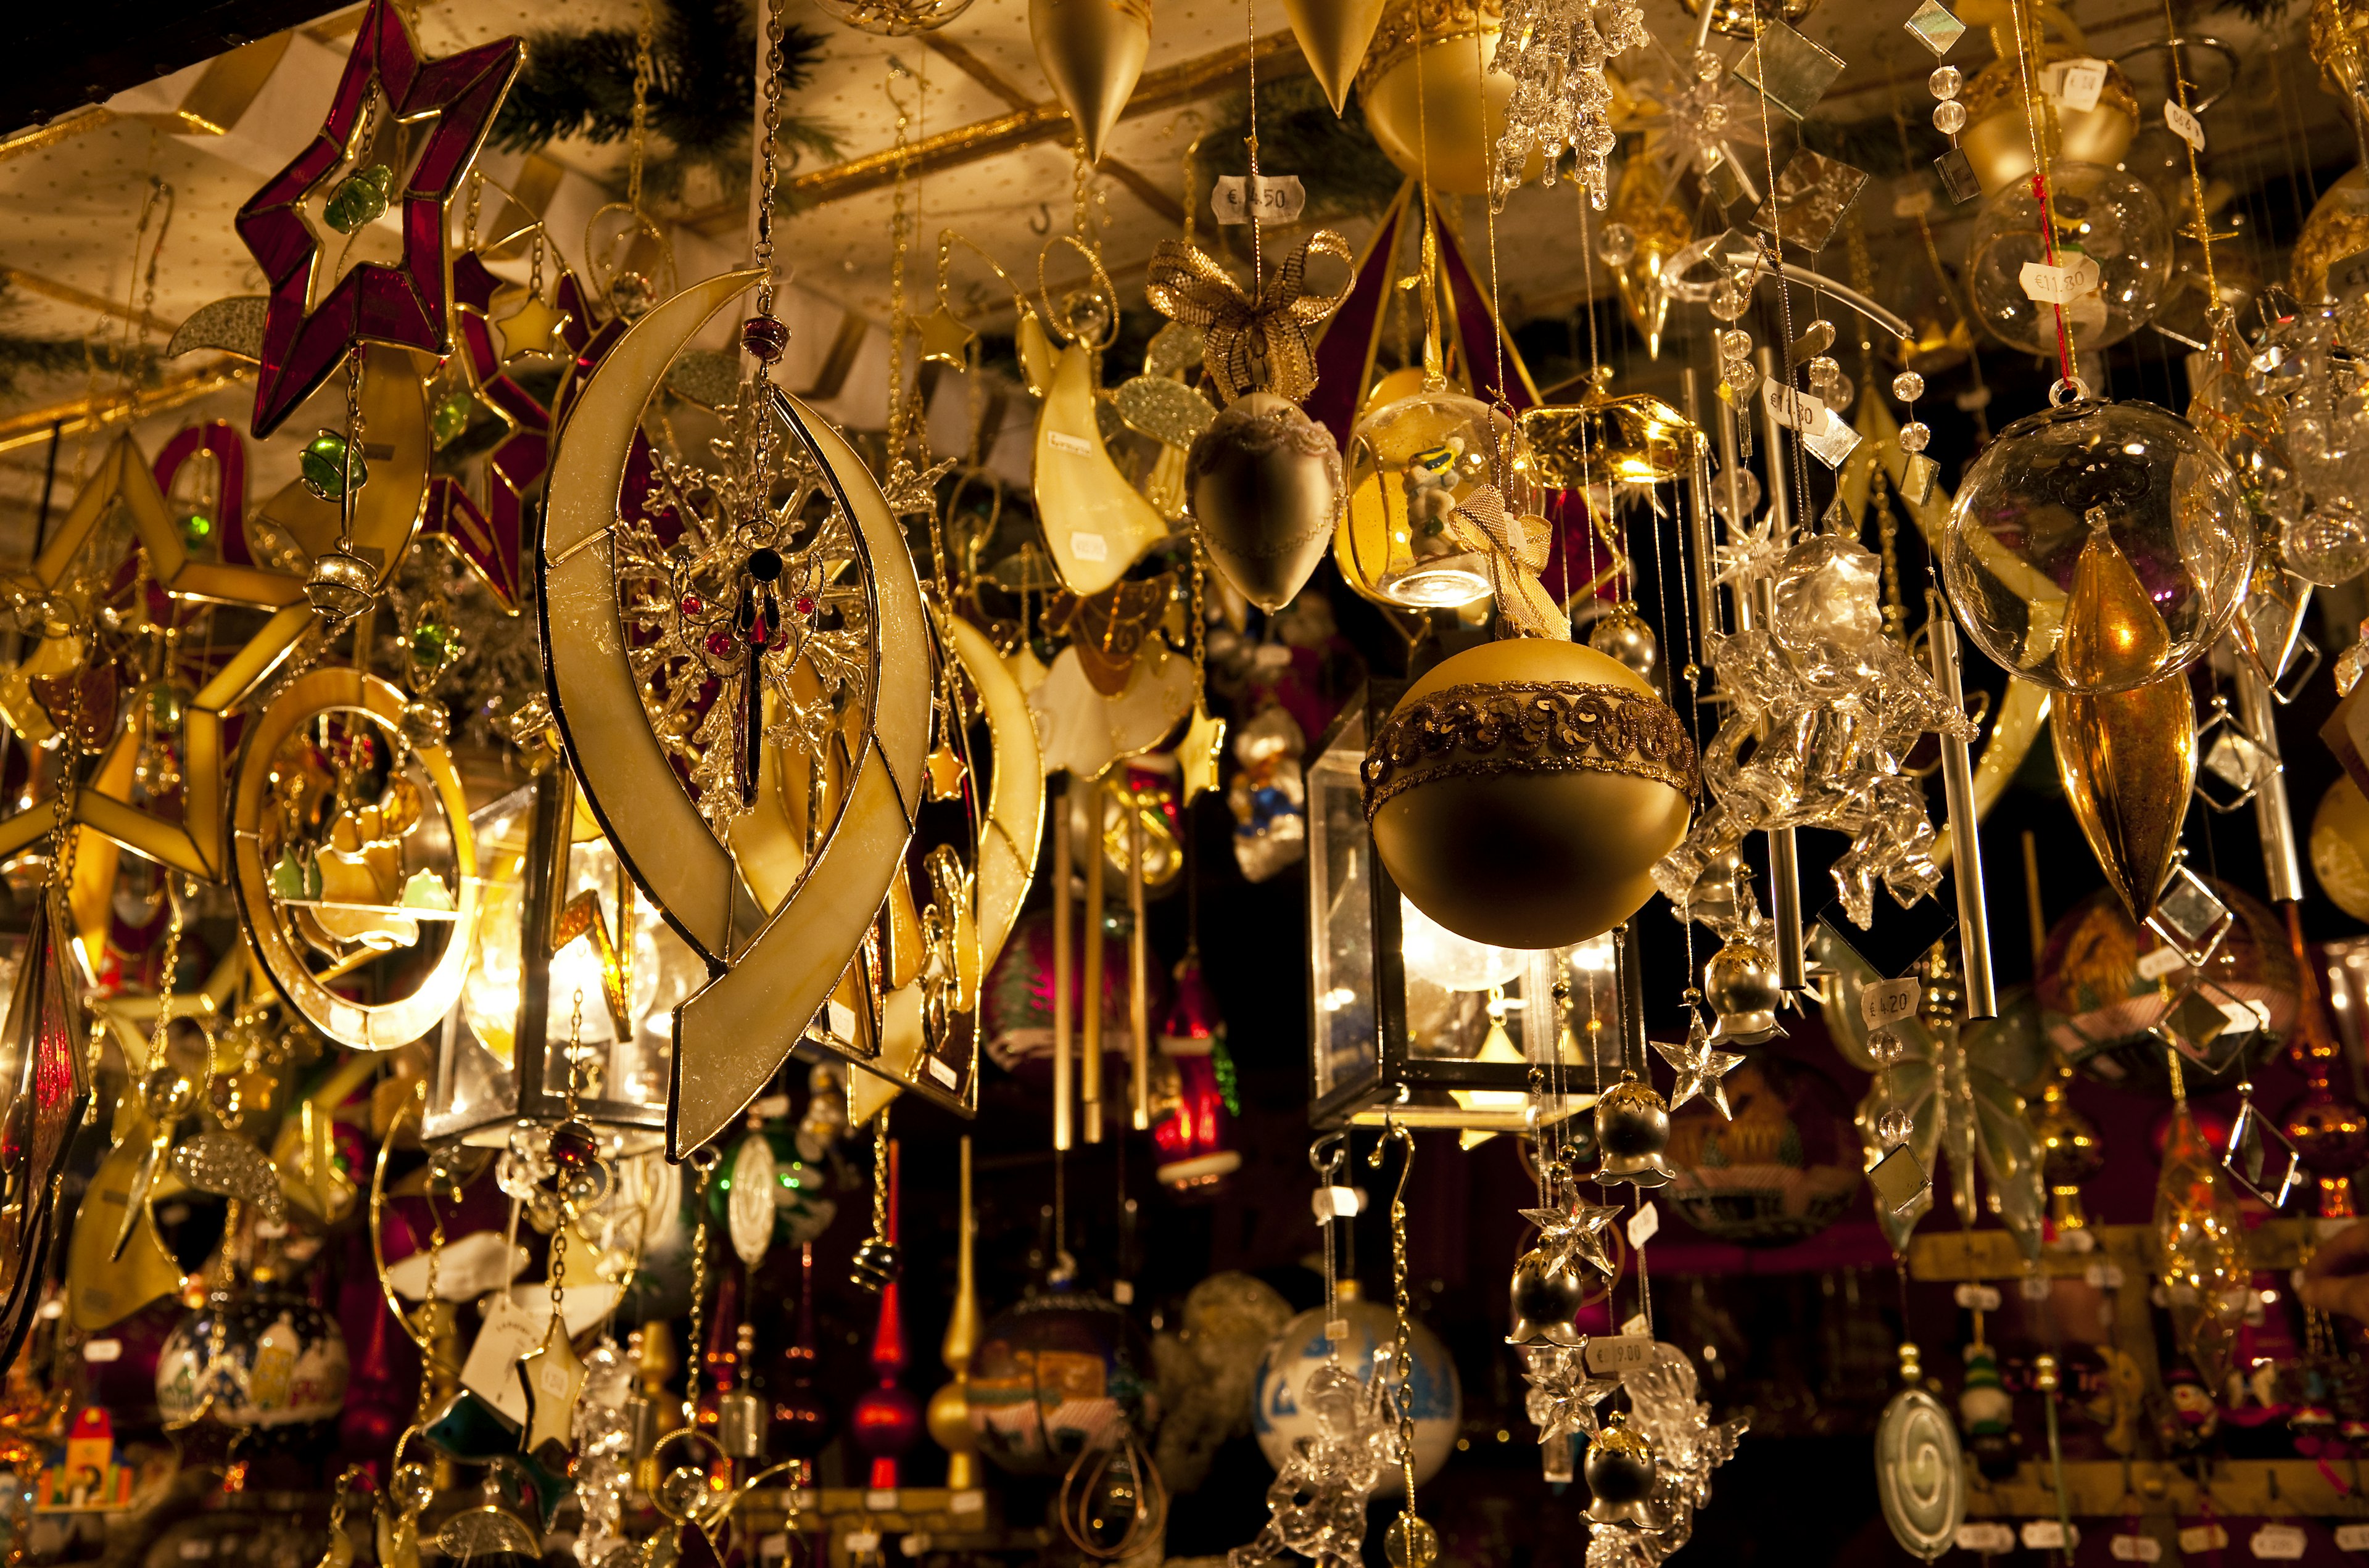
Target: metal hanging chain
705 1162
1396 1132
642 75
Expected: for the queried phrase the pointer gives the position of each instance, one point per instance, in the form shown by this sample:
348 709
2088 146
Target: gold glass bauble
1439 122
1091 52
1521 791
2337 229
1262 484
1998 137
2339 847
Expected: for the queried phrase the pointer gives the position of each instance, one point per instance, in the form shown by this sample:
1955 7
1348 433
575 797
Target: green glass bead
430 642
197 528
323 466
450 418
360 199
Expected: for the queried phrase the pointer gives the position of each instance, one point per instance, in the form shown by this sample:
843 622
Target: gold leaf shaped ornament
769 981
1096 524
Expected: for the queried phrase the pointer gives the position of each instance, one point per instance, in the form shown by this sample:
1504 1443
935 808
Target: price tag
2136 1549
1607 1355
1088 546
2162 961
2103 1276
804 1501
880 1500
1078 446
2352 1538
2048 1535
1913 202
193 1550
2075 84
861 1540
1978 1297
966 1503
1793 408
1123 1292
1269 197
2278 1543
2184 125
2203 1538
1337 1203
1985 1536
2032 1287
103 1350
2043 284
773 1548
1888 1002
1336 1328
491 1370
938 1068
1644 1224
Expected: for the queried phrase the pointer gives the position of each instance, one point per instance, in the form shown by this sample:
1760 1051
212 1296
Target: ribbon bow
1517 549
1252 344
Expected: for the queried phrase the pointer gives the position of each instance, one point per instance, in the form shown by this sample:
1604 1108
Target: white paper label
772 1547
1063 441
103 1350
1337 1203
1089 546
491 1370
1270 198
2203 1538
2032 1287
2048 1535
1793 408
1644 1224
1617 1354
943 1073
2103 1276
194 1550
2245 1014
2277 1544
2352 1538
2136 1549
2184 125
1636 1327
2075 84
805 1501
881 1500
1888 1002
1985 1536
2162 961
1123 1292
2048 285
1977 1297
966 1503
861 1540
1914 202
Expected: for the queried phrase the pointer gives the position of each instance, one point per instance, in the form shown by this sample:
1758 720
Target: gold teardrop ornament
1091 52
2115 637
1334 35
1095 523
2128 760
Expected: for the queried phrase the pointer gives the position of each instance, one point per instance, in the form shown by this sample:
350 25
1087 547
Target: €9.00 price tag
1269 197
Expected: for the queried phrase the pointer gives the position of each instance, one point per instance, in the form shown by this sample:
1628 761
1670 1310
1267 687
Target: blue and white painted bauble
1432 1393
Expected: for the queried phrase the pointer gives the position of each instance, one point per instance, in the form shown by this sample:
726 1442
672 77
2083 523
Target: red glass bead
765 338
691 604
719 644
806 606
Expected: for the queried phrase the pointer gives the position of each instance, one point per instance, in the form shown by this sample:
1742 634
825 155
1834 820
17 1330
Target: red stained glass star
407 305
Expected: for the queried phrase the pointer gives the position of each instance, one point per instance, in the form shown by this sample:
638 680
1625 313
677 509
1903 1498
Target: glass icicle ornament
1556 51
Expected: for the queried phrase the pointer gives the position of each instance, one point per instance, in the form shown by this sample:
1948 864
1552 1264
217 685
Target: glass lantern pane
475 1088
1345 1033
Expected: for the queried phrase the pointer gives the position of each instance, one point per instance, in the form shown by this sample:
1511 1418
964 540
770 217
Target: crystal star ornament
1562 1393
554 1374
1575 1229
945 339
400 122
1197 754
1701 1070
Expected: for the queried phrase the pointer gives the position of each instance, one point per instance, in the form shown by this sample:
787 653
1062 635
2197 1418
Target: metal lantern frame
1363 1074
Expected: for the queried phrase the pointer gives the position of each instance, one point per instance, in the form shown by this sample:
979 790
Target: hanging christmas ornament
2339 847
2201 1237
1563 96
1919 1470
2096 546
1522 791
1434 106
1441 508
2127 762
1091 52
1334 35
1096 523
318 313
1995 108
2107 227
1632 1130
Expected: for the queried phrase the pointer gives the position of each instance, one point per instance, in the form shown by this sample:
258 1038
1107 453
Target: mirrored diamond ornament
2235 765
1898 1180
1957 172
2189 916
1789 70
1935 27
1812 192
1917 478
2209 1027
2263 1159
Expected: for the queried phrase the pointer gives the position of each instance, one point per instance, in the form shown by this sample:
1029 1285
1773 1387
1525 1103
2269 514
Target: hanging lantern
565 950
1195 1152
1406 1013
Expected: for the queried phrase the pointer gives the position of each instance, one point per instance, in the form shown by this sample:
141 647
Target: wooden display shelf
2240 1489
2275 1245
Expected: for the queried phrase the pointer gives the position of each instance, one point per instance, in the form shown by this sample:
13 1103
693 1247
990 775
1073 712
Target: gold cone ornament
1091 51
2128 760
1997 139
1438 119
1521 792
1334 35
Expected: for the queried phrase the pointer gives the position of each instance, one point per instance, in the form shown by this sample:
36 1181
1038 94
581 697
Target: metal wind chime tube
1698 517
1064 1086
1629 975
1731 479
2282 866
1965 838
1784 855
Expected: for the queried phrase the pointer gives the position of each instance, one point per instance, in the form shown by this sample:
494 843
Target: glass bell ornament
1621 1472
1632 1129
2098 546
1547 1293
2107 217
1740 983
1417 471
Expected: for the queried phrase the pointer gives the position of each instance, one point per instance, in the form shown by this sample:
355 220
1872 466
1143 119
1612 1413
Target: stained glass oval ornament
1920 1473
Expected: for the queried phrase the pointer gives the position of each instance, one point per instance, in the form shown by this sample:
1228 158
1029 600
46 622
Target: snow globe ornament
1435 481
2098 546
2112 241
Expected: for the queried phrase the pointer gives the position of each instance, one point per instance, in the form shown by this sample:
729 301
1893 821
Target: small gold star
1198 753
526 322
946 773
555 1376
944 337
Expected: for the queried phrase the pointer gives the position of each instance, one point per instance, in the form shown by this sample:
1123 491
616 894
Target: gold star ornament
527 323
945 339
554 1374
1198 753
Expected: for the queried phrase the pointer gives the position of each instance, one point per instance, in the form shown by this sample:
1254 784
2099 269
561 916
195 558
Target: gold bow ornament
1516 547
1253 345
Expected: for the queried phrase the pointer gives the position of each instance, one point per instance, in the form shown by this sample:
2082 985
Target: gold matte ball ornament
1520 792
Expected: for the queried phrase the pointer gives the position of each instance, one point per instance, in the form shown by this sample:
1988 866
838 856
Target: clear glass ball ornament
1708 67
1885 1047
1945 82
2096 546
1916 436
1734 344
1730 299
1949 117
1894 1127
1417 468
2327 542
1616 245
1743 379
1737 504
2108 218
1908 386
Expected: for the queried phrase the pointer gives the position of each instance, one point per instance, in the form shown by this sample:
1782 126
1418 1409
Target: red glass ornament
765 337
886 1420
1194 1152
